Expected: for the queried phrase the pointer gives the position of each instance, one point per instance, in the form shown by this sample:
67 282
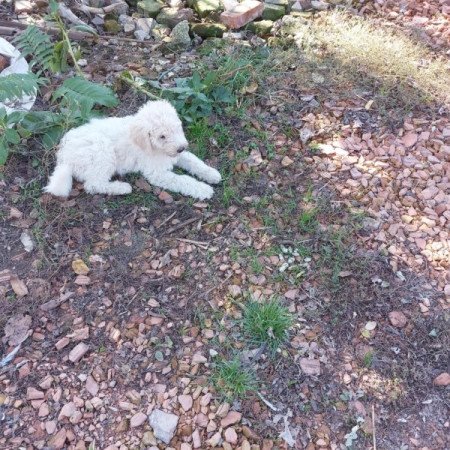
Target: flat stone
273 12
149 8
231 436
173 16
67 410
163 424
34 394
231 418
58 440
242 14
91 386
23 6
442 380
138 419
78 352
310 366
208 30
206 7
397 319
63 342
261 27
50 426
186 402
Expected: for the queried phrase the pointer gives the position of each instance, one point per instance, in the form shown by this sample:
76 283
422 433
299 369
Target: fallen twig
105 10
182 225
373 428
166 220
203 245
66 13
272 407
8 358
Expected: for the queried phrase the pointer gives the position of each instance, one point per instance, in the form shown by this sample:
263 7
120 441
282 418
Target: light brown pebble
78 352
138 419
231 418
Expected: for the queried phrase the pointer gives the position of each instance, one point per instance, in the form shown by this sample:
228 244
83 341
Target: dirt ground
324 225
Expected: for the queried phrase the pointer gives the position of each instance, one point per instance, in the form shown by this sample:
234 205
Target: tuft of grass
267 323
307 221
232 380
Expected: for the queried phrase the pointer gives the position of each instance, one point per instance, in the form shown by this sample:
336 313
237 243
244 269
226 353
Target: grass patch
232 380
351 52
142 199
267 323
307 221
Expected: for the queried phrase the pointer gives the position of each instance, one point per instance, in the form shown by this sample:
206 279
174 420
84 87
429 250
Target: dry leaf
17 329
368 105
250 89
79 267
18 286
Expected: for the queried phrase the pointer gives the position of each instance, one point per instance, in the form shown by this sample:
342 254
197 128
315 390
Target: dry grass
352 50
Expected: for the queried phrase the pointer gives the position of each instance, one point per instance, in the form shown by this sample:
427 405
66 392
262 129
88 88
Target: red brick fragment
242 14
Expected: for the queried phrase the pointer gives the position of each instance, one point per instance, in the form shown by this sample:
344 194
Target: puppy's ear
139 136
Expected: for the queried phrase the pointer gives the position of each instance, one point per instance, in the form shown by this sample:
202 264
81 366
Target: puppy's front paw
213 176
203 192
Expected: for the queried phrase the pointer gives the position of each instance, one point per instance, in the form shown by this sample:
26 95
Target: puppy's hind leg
107 187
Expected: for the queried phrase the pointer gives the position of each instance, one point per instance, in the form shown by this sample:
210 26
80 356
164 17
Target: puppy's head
157 128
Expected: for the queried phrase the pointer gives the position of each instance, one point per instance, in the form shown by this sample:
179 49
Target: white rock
163 424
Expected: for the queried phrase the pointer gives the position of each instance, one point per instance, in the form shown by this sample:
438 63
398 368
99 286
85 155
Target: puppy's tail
60 183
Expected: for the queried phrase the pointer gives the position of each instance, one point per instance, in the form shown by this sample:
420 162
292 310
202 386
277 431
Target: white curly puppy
151 141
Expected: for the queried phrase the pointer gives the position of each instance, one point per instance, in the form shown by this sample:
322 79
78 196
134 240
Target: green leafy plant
193 97
232 379
74 100
267 324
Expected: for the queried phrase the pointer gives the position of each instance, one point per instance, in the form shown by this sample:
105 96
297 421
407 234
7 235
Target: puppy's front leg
189 162
184 184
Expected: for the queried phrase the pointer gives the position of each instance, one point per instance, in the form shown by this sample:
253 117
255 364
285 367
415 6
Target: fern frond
16 85
86 94
37 44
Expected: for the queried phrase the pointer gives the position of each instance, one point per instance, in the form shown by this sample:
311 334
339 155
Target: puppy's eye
162 136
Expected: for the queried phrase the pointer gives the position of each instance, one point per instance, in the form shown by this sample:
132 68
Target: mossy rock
173 16
273 12
112 26
260 28
208 30
206 7
149 8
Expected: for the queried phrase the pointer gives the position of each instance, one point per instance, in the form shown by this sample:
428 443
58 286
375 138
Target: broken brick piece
242 14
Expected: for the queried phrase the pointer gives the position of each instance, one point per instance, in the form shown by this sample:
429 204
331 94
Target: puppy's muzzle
181 149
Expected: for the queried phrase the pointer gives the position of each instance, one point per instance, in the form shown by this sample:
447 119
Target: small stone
198 358
58 440
286 161
123 426
163 424
442 380
447 291
63 342
186 402
67 410
149 439
78 352
91 386
214 440
165 197
138 419
397 319
44 410
223 409
231 436
179 40
242 14
409 139
50 426
231 418
196 440
46 382
185 446
310 366
23 6
34 394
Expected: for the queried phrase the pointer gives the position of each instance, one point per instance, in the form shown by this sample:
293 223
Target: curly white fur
151 141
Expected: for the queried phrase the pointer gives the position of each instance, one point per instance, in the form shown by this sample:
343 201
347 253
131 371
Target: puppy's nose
182 149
